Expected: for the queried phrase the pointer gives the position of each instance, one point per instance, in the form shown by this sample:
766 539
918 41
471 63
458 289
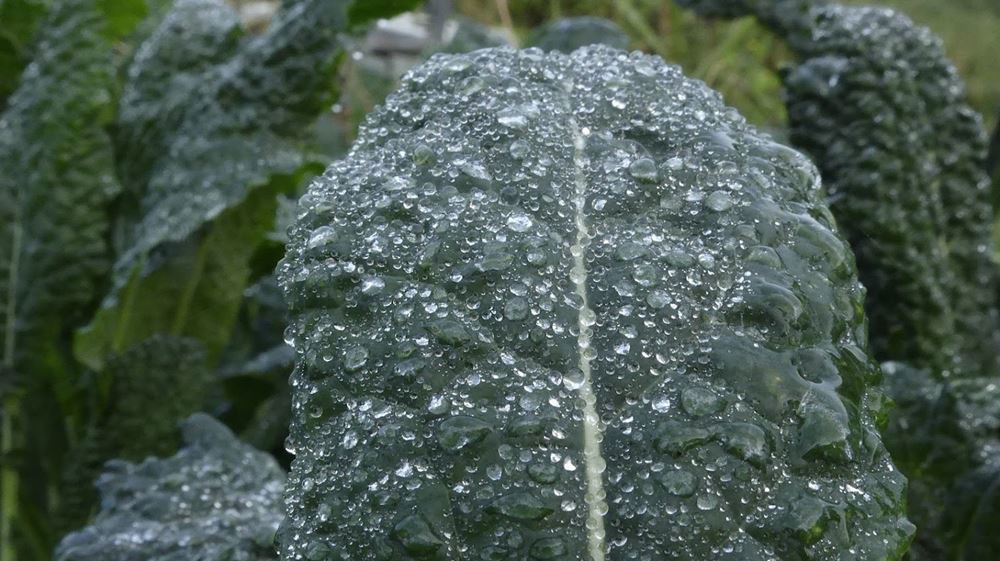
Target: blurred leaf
195 290
56 179
18 21
136 419
217 499
210 131
975 514
993 163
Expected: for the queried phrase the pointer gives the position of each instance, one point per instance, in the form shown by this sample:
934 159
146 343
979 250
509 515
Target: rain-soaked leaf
136 418
217 499
573 307
884 114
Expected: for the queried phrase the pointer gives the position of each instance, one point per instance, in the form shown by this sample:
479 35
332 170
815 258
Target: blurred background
737 58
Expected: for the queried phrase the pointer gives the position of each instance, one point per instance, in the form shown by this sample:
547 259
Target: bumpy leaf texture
568 34
943 436
931 444
877 104
216 500
139 419
573 307
210 130
56 179
883 112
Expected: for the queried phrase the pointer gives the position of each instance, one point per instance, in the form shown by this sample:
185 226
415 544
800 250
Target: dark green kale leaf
573 307
217 499
56 181
883 112
880 108
151 388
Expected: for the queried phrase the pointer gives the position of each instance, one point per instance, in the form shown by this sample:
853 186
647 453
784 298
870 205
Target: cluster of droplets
572 307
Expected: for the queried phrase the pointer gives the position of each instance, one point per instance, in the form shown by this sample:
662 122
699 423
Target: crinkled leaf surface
136 419
206 121
56 178
908 187
883 112
568 34
975 513
943 436
573 307
932 446
216 500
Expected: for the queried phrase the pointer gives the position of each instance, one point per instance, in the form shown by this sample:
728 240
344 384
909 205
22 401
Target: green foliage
993 164
217 499
56 176
548 303
143 166
913 198
884 114
18 21
135 419
205 122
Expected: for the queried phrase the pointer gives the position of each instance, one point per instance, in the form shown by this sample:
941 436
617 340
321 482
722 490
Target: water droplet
512 117
643 169
372 285
355 358
516 309
574 379
719 201
658 298
423 155
519 149
322 236
679 482
700 401
519 222
661 404
707 502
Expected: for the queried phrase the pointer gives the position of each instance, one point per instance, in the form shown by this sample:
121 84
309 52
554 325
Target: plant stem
9 482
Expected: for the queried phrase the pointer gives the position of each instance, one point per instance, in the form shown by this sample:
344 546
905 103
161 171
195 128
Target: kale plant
573 307
882 111
554 303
